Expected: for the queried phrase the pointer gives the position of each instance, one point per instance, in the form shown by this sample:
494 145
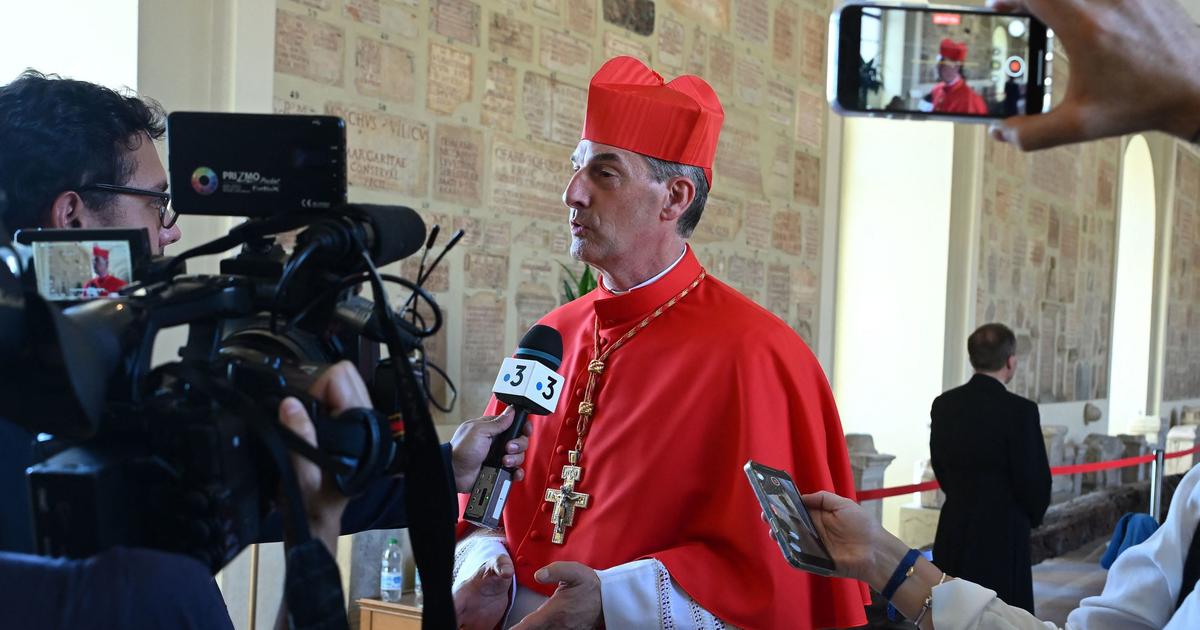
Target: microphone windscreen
399 231
542 344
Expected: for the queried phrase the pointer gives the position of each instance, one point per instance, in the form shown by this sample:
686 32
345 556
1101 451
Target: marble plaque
510 37
553 109
384 151
458 165
528 180
499 98
456 19
307 47
563 52
450 78
384 71
671 40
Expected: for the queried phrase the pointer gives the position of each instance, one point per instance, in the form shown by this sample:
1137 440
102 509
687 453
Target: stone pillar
1135 446
932 499
868 466
1101 448
1073 454
1054 437
1181 438
1153 428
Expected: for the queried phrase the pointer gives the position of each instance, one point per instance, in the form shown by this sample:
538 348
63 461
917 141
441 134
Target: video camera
187 456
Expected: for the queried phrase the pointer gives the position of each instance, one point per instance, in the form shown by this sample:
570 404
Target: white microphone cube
530 384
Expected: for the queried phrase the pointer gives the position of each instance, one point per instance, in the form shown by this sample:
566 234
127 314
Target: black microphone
389 233
529 382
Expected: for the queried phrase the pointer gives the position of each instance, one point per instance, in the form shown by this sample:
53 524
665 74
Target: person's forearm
911 596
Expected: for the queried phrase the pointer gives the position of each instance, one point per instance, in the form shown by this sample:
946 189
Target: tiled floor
1060 583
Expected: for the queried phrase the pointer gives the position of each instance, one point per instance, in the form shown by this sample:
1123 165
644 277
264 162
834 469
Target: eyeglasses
166 214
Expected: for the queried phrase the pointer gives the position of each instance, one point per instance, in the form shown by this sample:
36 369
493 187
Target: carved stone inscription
499 98
528 181
449 78
384 71
385 151
553 110
309 48
458 165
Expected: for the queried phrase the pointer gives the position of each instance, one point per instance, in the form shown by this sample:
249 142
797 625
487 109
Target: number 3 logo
516 382
549 393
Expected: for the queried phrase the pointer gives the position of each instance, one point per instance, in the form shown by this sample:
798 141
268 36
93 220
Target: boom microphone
390 233
527 381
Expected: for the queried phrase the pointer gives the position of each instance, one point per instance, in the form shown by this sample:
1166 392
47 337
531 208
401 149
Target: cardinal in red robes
103 284
634 511
953 95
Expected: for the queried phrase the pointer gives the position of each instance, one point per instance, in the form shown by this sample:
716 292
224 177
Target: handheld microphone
528 382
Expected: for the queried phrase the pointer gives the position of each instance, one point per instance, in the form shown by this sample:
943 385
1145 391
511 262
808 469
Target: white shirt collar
652 280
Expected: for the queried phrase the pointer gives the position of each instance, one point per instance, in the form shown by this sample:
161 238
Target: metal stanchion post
1156 482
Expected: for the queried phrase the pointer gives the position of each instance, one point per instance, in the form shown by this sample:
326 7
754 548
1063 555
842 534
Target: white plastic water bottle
418 594
391 573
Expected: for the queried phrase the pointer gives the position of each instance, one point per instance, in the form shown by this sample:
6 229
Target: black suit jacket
989 457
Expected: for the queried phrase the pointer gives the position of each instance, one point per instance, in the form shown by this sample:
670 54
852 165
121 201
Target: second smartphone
940 62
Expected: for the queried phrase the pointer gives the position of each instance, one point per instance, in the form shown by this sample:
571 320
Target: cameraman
73 155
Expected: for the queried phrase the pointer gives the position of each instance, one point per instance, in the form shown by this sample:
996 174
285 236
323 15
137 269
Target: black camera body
189 456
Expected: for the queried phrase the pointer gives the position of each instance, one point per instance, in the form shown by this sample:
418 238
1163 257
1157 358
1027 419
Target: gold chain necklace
565 499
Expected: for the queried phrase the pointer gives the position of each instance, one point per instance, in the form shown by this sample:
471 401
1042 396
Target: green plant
868 79
578 285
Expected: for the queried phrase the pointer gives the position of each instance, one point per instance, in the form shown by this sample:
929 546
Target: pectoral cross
566 500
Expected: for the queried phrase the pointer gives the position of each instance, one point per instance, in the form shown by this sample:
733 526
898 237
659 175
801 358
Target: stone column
868 466
1181 438
1135 446
1054 436
1101 448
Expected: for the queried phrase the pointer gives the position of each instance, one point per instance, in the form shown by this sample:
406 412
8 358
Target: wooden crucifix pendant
566 500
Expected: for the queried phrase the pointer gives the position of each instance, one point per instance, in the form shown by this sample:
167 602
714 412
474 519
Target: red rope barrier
1074 469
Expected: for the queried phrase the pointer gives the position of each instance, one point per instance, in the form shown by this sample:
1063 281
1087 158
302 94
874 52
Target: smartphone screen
938 62
789 519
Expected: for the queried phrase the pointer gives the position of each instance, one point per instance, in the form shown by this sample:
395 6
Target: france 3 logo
528 383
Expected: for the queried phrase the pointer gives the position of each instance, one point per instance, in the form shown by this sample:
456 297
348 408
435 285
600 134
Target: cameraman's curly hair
59 134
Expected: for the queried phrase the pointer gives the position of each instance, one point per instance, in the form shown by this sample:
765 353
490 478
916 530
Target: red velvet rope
880 493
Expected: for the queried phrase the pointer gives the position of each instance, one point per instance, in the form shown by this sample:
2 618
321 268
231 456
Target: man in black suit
988 455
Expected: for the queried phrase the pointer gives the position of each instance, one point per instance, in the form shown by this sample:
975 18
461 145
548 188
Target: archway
1133 294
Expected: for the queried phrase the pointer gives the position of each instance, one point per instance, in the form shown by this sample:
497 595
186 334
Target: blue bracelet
903 570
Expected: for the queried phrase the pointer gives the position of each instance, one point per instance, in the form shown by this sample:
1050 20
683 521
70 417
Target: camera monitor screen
76 265
950 63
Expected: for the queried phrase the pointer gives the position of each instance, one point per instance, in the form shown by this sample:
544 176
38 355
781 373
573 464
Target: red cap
951 50
99 253
630 107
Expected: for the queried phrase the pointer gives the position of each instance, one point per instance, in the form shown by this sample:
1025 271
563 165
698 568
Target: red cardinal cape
105 284
957 98
713 382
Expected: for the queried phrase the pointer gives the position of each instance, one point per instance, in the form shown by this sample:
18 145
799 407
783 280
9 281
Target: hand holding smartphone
790 522
963 64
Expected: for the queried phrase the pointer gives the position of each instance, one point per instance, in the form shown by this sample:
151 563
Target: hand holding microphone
472 442
528 383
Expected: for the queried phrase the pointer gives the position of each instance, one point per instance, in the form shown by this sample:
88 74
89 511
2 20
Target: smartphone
789 519
937 62
76 265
